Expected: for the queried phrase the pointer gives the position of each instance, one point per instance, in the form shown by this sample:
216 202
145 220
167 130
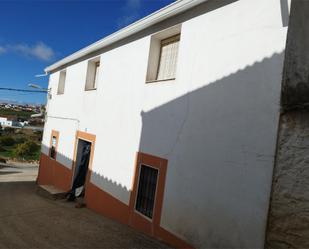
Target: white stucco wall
216 123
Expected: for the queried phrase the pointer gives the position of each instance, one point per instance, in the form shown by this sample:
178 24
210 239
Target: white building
181 111
8 122
5 122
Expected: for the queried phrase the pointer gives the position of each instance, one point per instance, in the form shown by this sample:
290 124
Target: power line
22 90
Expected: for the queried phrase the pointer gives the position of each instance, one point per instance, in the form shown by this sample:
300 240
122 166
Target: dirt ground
28 220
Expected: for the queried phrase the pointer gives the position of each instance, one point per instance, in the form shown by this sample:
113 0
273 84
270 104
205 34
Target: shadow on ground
9 172
14 173
30 221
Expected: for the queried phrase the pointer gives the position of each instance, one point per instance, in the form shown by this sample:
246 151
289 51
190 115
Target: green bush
26 149
7 141
19 131
9 130
2 149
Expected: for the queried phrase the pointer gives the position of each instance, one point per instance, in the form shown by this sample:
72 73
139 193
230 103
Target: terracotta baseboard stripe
52 172
103 203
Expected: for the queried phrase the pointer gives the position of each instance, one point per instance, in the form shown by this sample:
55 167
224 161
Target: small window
146 190
61 83
163 55
168 58
53 147
92 74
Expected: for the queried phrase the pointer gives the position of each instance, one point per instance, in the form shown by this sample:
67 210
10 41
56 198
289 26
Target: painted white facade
216 124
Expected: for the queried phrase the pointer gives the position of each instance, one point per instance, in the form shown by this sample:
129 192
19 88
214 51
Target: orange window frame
137 219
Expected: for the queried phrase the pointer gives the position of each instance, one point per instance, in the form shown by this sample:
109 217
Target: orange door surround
89 138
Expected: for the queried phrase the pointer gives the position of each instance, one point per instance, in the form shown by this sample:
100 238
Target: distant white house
8 122
5 122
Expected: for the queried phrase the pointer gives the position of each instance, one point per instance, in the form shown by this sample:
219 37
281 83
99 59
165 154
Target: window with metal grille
146 190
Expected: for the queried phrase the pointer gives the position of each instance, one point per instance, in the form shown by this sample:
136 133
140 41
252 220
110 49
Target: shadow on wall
220 142
53 172
105 201
63 164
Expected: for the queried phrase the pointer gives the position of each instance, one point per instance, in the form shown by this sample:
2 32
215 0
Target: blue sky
34 34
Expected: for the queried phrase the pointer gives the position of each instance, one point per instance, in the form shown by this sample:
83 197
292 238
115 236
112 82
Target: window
53 147
92 74
163 55
146 190
96 74
61 83
168 58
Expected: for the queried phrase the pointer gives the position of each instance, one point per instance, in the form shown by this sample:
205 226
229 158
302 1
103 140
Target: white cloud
131 12
133 4
126 20
39 51
2 50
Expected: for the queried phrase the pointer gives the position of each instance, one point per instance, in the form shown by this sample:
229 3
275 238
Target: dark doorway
81 169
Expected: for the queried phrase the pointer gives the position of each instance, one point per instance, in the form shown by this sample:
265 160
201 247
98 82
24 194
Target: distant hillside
19 114
7 101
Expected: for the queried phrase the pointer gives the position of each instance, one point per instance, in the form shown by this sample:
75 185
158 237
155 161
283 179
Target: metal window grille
146 190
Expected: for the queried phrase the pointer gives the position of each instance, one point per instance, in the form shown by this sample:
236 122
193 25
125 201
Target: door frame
88 138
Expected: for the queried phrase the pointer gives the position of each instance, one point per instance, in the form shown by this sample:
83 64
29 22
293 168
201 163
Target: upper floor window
92 77
168 58
163 55
61 83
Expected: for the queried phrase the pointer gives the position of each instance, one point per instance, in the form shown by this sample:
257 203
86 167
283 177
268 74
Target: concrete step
50 192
